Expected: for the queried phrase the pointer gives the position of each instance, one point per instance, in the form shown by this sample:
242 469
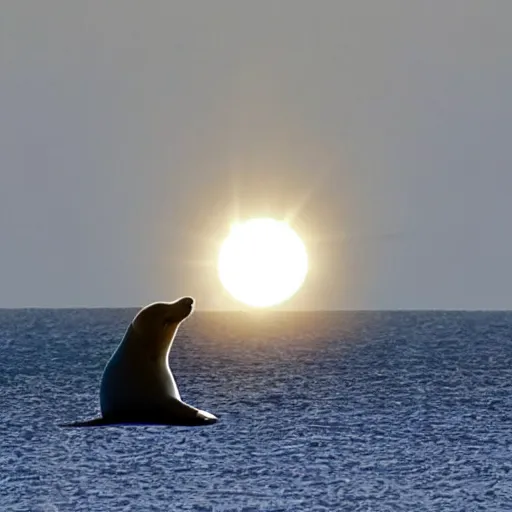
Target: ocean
323 411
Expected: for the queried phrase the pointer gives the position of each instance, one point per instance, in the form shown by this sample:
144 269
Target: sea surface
349 411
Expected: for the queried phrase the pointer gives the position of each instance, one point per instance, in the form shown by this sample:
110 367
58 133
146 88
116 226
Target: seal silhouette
137 386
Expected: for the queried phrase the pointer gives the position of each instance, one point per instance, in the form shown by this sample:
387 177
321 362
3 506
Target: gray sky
132 132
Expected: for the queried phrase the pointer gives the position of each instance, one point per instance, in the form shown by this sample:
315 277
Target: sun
262 262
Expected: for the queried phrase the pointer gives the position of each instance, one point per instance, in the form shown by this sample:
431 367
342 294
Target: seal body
136 377
137 386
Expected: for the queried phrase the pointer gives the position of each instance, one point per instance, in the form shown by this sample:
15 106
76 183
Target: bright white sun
262 262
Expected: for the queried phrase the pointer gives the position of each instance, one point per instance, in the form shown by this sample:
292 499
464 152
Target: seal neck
158 348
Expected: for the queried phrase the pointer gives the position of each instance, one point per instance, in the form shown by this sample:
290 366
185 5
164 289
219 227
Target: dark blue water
319 411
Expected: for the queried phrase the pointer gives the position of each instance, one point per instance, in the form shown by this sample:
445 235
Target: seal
137 386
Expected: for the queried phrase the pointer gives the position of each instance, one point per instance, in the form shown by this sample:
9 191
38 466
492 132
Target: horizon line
270 310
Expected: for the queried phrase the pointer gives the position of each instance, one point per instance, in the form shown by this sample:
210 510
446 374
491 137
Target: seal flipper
175 413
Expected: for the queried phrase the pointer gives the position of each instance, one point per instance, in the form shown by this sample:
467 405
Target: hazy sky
130 131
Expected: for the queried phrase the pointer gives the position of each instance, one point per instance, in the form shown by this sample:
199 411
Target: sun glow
262 262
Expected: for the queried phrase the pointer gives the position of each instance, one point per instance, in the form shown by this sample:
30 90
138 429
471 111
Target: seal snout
179 310
187 301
